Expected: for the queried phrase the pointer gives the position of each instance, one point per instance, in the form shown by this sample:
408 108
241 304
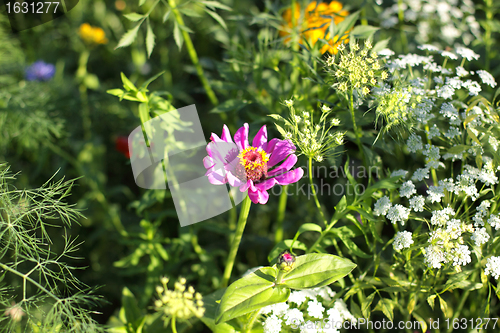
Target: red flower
121 145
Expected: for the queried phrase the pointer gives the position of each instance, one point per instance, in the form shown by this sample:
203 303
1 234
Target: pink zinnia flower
253 168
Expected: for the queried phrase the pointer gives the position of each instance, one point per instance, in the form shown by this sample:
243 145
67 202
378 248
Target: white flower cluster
456 20
303 307
403 239
493 267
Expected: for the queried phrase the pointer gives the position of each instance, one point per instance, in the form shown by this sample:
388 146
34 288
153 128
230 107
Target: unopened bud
286 261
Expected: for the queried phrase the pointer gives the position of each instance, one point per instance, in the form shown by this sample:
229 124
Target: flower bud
286 261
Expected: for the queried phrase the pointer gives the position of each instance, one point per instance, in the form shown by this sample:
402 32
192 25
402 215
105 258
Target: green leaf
166 16
431 299
142 2
421 320
148 82
216 4
178 35
116 92
127 84
365 305
458 149
309 227
387 307
347 23
317 270
210 302
351 246
150 40
218 18
230 105
251 293
281 130
363 31
132 312
380 45
129 37
134 17
386 184
444 307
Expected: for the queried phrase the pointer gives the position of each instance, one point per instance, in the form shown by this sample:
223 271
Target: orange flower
92 35
315 22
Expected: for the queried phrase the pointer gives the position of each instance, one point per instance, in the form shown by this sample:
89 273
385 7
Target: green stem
251 321
235 244
27 278
315 196
192 53
278 236
174 329
401 17
433 171
355 128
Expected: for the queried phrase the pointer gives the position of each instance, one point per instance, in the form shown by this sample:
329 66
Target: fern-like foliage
40 293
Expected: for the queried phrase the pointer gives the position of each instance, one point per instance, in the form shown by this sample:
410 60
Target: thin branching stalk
192 53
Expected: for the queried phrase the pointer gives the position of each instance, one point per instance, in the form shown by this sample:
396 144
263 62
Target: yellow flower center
253 164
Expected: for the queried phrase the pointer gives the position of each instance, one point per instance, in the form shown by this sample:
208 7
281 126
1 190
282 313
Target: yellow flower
315 23
92 35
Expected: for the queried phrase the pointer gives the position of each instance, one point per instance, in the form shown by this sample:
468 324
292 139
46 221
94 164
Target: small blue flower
40 71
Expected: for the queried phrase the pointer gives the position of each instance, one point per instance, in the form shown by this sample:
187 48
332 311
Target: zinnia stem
192 53
278 237
315 196
235 244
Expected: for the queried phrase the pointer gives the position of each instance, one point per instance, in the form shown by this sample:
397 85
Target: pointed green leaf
127 84
129 37
210 302
178 35
131 308
317 270
134 17
218 18
366 305
166 16
363 31
150 40
216 4
250 293
387 307
148 82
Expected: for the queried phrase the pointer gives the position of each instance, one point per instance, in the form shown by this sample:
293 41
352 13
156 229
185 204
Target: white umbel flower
493 267
402 240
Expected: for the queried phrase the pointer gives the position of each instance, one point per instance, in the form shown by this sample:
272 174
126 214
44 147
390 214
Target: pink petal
233 180
282 149
260 138
258 197
248 185
215 138
290 177
216 177
269 147
285 166
241 137
266 184
226 135
208 162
